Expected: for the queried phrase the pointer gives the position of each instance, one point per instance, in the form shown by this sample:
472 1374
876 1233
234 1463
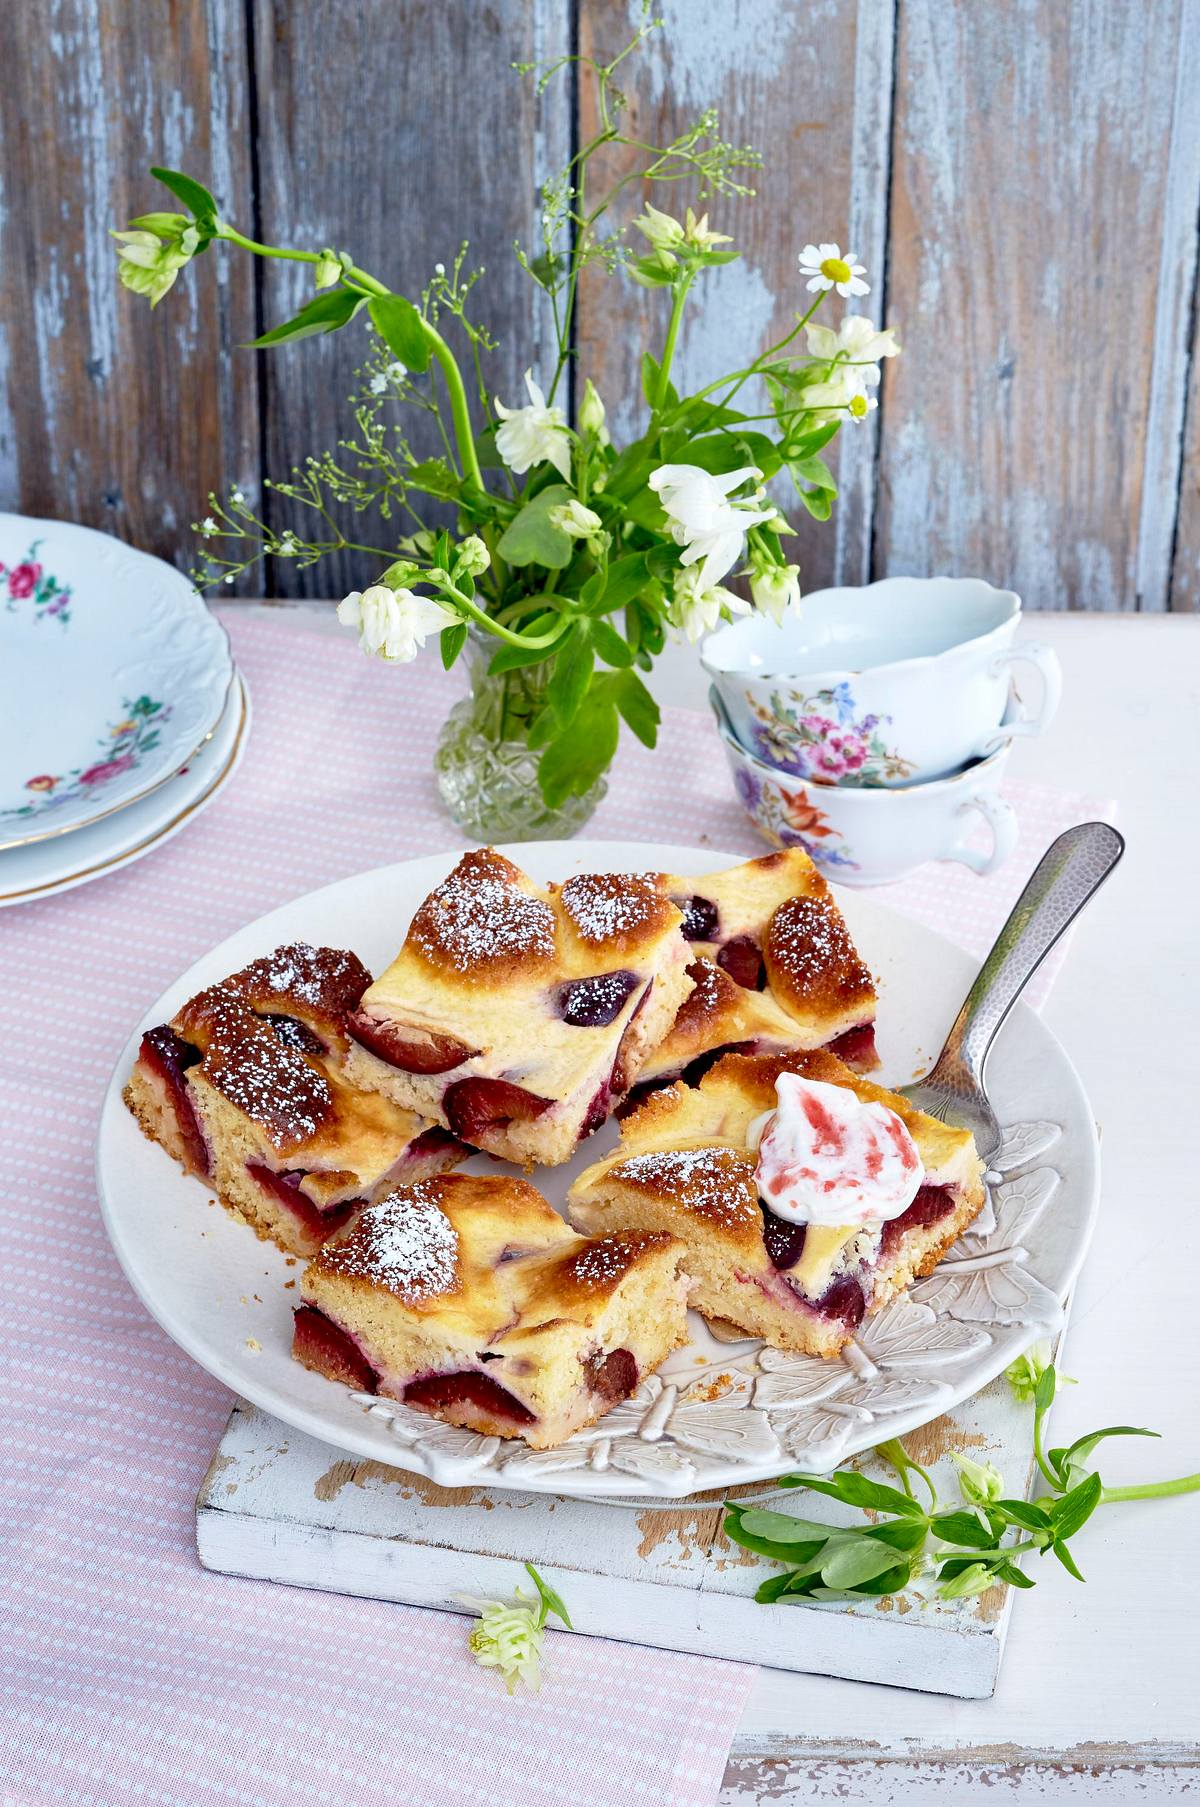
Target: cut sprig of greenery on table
916 1541
575 556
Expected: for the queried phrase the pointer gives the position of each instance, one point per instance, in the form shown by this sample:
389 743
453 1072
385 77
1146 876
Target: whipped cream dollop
825 1157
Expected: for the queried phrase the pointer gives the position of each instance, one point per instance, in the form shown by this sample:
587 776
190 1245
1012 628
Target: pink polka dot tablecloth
127 1673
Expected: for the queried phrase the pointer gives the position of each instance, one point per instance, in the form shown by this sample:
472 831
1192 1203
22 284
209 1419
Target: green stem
532 642
1151 1490
664 369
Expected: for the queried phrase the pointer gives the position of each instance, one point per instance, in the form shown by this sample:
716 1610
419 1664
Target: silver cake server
1069 873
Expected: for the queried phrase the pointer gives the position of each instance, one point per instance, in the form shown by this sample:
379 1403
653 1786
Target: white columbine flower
826 268
533 435
576 518
776 589
663 230
704 520
393 623
857 344
509 1638
979 1482
697 607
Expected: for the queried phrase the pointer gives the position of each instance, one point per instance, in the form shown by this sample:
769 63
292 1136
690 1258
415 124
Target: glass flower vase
486 771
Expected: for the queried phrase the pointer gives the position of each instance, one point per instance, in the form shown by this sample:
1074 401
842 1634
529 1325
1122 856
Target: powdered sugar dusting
613 906
809 945
471 922
719 1182
247 1063
606 1260
404 1243
326 979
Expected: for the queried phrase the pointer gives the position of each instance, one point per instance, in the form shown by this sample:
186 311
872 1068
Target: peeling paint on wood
1022 182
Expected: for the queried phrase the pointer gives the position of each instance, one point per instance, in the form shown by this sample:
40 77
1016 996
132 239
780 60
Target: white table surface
1099 1695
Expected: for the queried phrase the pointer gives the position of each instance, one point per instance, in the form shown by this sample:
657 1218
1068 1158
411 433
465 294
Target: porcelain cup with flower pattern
872 835
890 684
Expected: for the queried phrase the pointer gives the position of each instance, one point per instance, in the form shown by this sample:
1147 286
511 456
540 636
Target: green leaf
550 1600
806 443
1015 1577
626 579
531 539
815 471
577 756
721 452
1075 1508
846 1565
572 673
901 1533
781 1527
962 1528
651 371
818 502
629 472
323 314
636 705
1062 1460
1068 1561
402 330
1043 1398
452 640
1026 1513
770 1590
435 478
609 644
856 1490
195 197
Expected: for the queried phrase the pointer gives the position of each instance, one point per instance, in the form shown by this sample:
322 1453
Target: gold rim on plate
73 878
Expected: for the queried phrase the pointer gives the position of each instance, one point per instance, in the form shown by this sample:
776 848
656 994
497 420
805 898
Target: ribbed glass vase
486 772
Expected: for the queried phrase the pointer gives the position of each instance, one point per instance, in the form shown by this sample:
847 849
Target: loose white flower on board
394 624
826 268
697 607
706 520
776 589
510 1634
533 435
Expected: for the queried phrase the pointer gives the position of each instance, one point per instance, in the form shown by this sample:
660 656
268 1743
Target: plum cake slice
245 1088
469 1298
805 1196
774 966
518 1016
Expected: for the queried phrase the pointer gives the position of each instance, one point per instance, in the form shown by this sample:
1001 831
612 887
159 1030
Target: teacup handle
1001 818
1032 652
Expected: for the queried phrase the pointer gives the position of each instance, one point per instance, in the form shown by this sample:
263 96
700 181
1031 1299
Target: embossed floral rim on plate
114 674
716 1414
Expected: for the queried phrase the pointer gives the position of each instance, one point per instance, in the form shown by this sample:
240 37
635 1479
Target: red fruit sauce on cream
826 1157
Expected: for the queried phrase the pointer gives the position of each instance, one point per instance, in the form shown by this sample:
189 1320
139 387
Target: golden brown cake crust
483 922
812 964
621 911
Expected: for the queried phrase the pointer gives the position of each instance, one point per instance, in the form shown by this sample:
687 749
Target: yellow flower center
858 406
836 268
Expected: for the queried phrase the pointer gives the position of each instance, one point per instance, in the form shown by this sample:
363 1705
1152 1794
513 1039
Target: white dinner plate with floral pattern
61 863
715 1414
113 673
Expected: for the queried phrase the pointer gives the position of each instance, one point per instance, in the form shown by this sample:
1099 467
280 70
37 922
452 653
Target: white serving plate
113 673
222 1294
46 867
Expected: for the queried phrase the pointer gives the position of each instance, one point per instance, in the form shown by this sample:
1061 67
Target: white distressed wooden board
281 1506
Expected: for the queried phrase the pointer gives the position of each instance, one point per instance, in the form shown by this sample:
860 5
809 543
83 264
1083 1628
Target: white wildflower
509 1638
696 607
208 527
393 623
705 521
776 589
575 518
664 232
377 383
533 435
826 268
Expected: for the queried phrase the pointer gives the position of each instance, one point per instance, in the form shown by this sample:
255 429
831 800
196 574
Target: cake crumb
254 1346
716 1388
288 1285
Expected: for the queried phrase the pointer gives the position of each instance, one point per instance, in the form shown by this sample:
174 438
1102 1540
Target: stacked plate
121 713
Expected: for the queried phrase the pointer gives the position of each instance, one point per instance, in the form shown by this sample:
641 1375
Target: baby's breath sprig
955 1550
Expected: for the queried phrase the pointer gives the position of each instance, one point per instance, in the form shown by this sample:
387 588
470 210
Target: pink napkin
127 1672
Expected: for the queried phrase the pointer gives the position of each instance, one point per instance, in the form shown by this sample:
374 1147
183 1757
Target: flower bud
328 269
775 589
473 555
591 411
978 1482
575 518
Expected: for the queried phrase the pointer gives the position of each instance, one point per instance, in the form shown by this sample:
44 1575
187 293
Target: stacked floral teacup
873 726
